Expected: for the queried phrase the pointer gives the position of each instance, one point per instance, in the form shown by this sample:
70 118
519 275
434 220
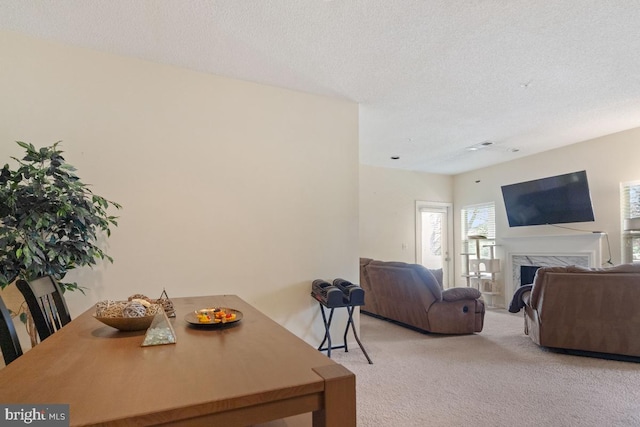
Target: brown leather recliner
411 295
584 309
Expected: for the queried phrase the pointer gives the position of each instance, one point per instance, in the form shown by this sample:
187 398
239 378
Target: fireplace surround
582 249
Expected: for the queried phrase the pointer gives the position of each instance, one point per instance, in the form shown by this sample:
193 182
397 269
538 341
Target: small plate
192 318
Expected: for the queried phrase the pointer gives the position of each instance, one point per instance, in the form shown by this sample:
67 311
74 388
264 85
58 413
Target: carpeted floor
498 377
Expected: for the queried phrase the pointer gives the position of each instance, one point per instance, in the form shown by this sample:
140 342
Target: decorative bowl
127 323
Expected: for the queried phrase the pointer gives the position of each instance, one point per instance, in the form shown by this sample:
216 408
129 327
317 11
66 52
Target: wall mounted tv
553 200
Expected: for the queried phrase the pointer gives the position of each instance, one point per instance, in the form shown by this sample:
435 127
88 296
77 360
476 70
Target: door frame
448 208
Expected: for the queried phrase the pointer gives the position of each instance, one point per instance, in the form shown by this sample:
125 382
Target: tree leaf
50 221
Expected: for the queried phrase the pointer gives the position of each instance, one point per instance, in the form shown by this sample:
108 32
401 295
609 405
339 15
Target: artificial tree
50 222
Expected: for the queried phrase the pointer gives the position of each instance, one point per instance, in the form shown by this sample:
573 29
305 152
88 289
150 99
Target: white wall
387 209
608 160
387 196
228 187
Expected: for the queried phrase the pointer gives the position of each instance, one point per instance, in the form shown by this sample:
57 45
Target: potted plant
50 221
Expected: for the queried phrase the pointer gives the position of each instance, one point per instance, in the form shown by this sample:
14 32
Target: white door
433 236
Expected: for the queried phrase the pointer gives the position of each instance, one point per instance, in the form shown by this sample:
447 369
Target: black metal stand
327 330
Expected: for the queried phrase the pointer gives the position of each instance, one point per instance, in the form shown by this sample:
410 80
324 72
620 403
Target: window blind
479 219
630 199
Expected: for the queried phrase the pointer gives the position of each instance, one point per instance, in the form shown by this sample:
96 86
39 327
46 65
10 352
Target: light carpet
497 377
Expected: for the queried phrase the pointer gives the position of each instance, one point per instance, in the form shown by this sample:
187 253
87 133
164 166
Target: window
630 208
479 220
630 199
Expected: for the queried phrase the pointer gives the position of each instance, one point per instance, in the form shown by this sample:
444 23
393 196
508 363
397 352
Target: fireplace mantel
548 251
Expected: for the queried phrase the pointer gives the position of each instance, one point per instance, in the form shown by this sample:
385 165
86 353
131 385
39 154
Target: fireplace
546 251
527 274
542 260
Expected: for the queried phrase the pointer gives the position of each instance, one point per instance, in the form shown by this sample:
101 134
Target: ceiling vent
480 146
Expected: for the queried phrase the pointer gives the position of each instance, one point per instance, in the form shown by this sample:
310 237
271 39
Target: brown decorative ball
153 309
140 296
108 308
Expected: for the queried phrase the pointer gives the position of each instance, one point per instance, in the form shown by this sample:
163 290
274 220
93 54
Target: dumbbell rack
352 297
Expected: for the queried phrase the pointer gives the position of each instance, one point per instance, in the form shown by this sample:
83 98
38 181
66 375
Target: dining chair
9 342
46 304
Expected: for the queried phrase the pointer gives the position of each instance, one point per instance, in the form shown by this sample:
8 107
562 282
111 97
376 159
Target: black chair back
9 342
46 304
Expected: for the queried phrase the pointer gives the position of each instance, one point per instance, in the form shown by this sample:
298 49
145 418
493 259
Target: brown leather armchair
577 308
411 295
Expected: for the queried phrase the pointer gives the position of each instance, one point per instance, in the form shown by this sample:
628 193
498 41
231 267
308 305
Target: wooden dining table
248 372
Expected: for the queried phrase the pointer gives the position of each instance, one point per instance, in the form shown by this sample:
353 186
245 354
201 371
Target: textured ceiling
432 77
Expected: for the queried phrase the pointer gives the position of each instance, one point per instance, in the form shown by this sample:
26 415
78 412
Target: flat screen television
553 200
